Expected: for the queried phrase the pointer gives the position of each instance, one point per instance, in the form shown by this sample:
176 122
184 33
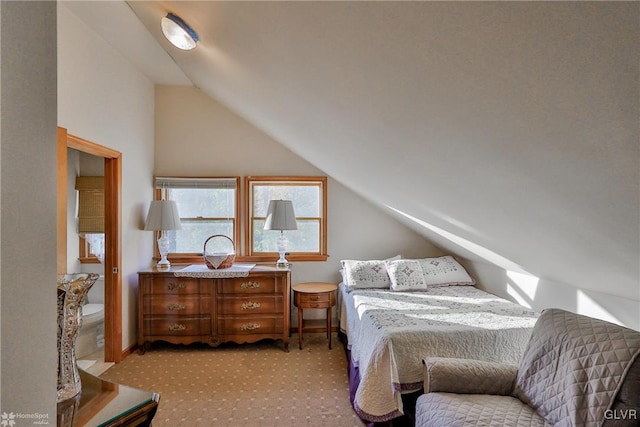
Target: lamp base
163 266
163 248
282 251
282 264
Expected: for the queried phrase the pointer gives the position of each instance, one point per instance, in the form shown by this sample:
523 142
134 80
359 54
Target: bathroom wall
81 164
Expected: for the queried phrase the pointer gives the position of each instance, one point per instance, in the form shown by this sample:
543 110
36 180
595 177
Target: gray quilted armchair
576 371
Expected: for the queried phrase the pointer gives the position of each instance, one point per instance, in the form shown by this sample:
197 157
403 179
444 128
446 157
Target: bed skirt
408 399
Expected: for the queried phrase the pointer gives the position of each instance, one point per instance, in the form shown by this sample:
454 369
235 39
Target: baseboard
127 351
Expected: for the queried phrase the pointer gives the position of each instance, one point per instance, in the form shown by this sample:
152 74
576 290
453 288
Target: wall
103 98
510 126
73 252
28 221
197 136
539 293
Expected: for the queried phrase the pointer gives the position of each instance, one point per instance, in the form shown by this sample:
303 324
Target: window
308 194
87 252
207 206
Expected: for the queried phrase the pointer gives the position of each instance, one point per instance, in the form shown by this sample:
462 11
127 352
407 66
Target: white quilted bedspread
389 333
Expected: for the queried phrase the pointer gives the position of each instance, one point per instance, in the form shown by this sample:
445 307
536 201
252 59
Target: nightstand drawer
311 298
314 304
177 325
177 304
255 304
251 285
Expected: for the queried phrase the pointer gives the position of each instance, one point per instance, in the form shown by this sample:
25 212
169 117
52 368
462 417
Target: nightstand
314 295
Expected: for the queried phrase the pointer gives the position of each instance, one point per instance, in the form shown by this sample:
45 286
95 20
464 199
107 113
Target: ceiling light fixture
178 32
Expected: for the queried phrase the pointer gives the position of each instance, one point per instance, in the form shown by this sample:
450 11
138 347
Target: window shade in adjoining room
90 204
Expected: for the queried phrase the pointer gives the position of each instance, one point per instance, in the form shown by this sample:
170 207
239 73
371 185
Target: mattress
389 334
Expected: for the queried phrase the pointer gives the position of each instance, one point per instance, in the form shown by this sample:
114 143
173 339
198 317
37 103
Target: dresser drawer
177 304
175 286
177 325
251 285
251 304
250 325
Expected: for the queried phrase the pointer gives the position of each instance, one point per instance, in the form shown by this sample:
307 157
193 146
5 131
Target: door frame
113 240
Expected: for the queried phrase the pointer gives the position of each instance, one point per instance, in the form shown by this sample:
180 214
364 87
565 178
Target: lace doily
200 271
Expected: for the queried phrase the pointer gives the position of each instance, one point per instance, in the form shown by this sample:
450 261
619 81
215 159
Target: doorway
113 253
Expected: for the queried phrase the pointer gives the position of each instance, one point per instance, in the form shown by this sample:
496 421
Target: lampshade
280 216
178 32
163 215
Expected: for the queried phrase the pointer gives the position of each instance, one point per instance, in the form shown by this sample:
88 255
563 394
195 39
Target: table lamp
163 216
280 216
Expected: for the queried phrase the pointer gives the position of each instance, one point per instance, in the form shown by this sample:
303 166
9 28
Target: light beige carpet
244 385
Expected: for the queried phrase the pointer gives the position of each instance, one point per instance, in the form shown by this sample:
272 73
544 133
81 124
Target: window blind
172 182
90 204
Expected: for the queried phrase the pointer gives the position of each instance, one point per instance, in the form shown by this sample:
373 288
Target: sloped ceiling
502 131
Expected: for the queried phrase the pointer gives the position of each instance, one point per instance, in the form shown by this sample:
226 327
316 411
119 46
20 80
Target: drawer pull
249 326
250 285
173 286
313 297
250 305
177 327
177 307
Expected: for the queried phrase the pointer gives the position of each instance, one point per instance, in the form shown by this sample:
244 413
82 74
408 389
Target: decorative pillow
406 275
366 274
444 271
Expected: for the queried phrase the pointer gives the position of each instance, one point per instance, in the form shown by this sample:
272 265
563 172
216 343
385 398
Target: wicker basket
218 260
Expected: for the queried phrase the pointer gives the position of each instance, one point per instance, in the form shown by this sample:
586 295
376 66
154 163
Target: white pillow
370 274
343 274
444 271
406 275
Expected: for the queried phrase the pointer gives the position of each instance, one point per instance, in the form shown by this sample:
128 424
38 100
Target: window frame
321 255
85 256
197 257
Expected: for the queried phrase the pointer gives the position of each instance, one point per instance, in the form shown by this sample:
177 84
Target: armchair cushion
468 376
457 410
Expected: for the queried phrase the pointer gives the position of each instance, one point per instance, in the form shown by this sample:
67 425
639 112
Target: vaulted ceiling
502 131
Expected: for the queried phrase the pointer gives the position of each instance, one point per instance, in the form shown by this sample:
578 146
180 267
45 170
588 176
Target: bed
389 330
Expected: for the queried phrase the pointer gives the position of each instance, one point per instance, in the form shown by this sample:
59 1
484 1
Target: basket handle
204 248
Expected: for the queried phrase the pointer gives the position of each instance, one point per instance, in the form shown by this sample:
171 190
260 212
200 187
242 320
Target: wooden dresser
183 310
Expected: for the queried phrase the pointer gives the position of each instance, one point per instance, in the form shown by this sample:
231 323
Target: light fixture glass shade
281 216
163 215
178 32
